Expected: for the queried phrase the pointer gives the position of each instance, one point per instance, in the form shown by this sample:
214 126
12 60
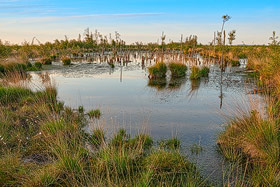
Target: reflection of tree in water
159 84
176 83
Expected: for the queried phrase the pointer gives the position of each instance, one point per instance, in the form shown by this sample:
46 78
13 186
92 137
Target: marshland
100 111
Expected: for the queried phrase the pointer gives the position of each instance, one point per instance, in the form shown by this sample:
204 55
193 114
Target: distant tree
4 50
219 38
191 40
231 36
274 39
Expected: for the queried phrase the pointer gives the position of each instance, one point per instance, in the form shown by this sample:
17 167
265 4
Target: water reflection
164 84
158 84
176 83
195 85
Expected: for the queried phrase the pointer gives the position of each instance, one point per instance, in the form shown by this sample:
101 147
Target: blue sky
137 20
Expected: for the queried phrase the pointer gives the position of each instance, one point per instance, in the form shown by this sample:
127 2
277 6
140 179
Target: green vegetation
254 136
197 73
112 65
172 144
235 63
204 72
196 149
94 114
158 70
46 61
42 144
11 67
177 69
66 61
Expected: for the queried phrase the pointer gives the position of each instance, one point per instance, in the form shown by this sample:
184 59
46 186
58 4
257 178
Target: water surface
190 110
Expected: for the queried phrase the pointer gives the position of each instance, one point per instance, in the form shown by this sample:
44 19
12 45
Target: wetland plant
94 114
97 137
204 72
197 72
177 69
46 61
66 61
172 144
235 63
157 71
38 65
196 149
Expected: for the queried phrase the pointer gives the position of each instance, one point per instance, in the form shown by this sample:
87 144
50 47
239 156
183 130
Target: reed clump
177 69
94 114
158 70
197 72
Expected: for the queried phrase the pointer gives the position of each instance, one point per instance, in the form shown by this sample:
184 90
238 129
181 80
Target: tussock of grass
197 72
204 72
94 114
177 69
158 70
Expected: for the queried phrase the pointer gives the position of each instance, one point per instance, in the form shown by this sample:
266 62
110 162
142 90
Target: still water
193 111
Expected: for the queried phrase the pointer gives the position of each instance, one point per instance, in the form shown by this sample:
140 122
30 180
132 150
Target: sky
138 20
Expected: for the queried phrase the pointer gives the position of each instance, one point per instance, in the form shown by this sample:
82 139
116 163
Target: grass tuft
158 70
177 69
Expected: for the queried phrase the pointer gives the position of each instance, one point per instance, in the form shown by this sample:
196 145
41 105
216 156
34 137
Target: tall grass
254 136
